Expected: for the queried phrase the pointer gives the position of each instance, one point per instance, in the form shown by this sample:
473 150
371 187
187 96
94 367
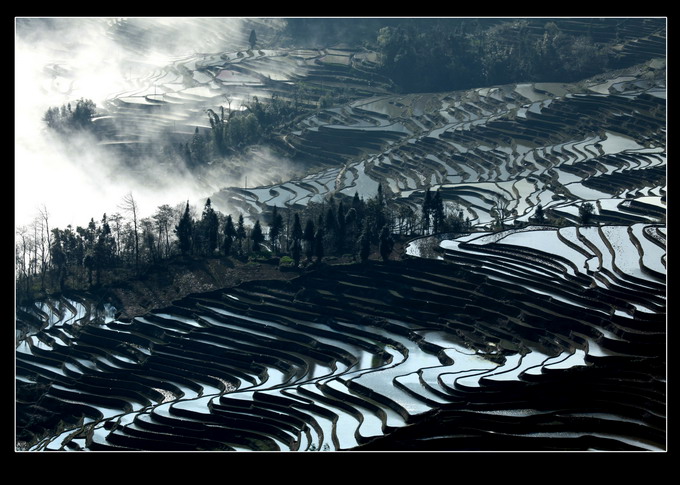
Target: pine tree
426 211
386 243
297 240
365 244
130 206
308 237
59 259
275 229
209 229
437 212
340 229
184 231
319 244
198 149
256 236
104 249
252 40
540 214
229 235
351 225
379 205
240 234
359 206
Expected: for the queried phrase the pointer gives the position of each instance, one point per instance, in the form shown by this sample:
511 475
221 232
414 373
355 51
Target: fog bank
58 61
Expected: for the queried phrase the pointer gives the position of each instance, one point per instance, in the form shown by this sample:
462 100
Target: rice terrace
431 234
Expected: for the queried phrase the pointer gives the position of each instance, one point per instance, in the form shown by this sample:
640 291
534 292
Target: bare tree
500 207
23 251
164 217
115 220
45 243
129 205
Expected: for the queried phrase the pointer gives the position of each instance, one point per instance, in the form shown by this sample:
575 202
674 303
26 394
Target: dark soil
171 280
164 283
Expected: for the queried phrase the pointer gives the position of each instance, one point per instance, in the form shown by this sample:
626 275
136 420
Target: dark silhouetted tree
229 235
184 231
539 215
340 228
386 244
308 237
275 229
67 120
319 237
104 249
426 211
296 236
438 215
351 226
365 244
59 260
586 212
256 236
500 209
240 234
209 229
198 149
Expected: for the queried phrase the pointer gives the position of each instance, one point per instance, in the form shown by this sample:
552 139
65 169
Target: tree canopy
67 119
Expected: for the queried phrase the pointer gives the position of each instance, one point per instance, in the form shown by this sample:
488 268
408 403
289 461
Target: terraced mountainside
530 332
520 350
547 144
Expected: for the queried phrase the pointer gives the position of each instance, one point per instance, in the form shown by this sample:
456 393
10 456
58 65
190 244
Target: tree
219 130
378 205
89 258
88 263
22 261
209 229
116 220
359 207
229 235
500 209
275 229
240 234
426 211
586 212
130 206
149 240
539 215
351 226
365 244
104 249
438 215
308 237
256 236
67 120
198 149
83 114
297 240
162 217
45 243
319 243
59 258
386 244
252 40
341 228
184 231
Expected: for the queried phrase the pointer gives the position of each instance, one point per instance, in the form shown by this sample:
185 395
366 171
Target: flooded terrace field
530 350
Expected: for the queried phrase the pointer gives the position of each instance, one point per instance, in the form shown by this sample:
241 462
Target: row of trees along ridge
122 244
